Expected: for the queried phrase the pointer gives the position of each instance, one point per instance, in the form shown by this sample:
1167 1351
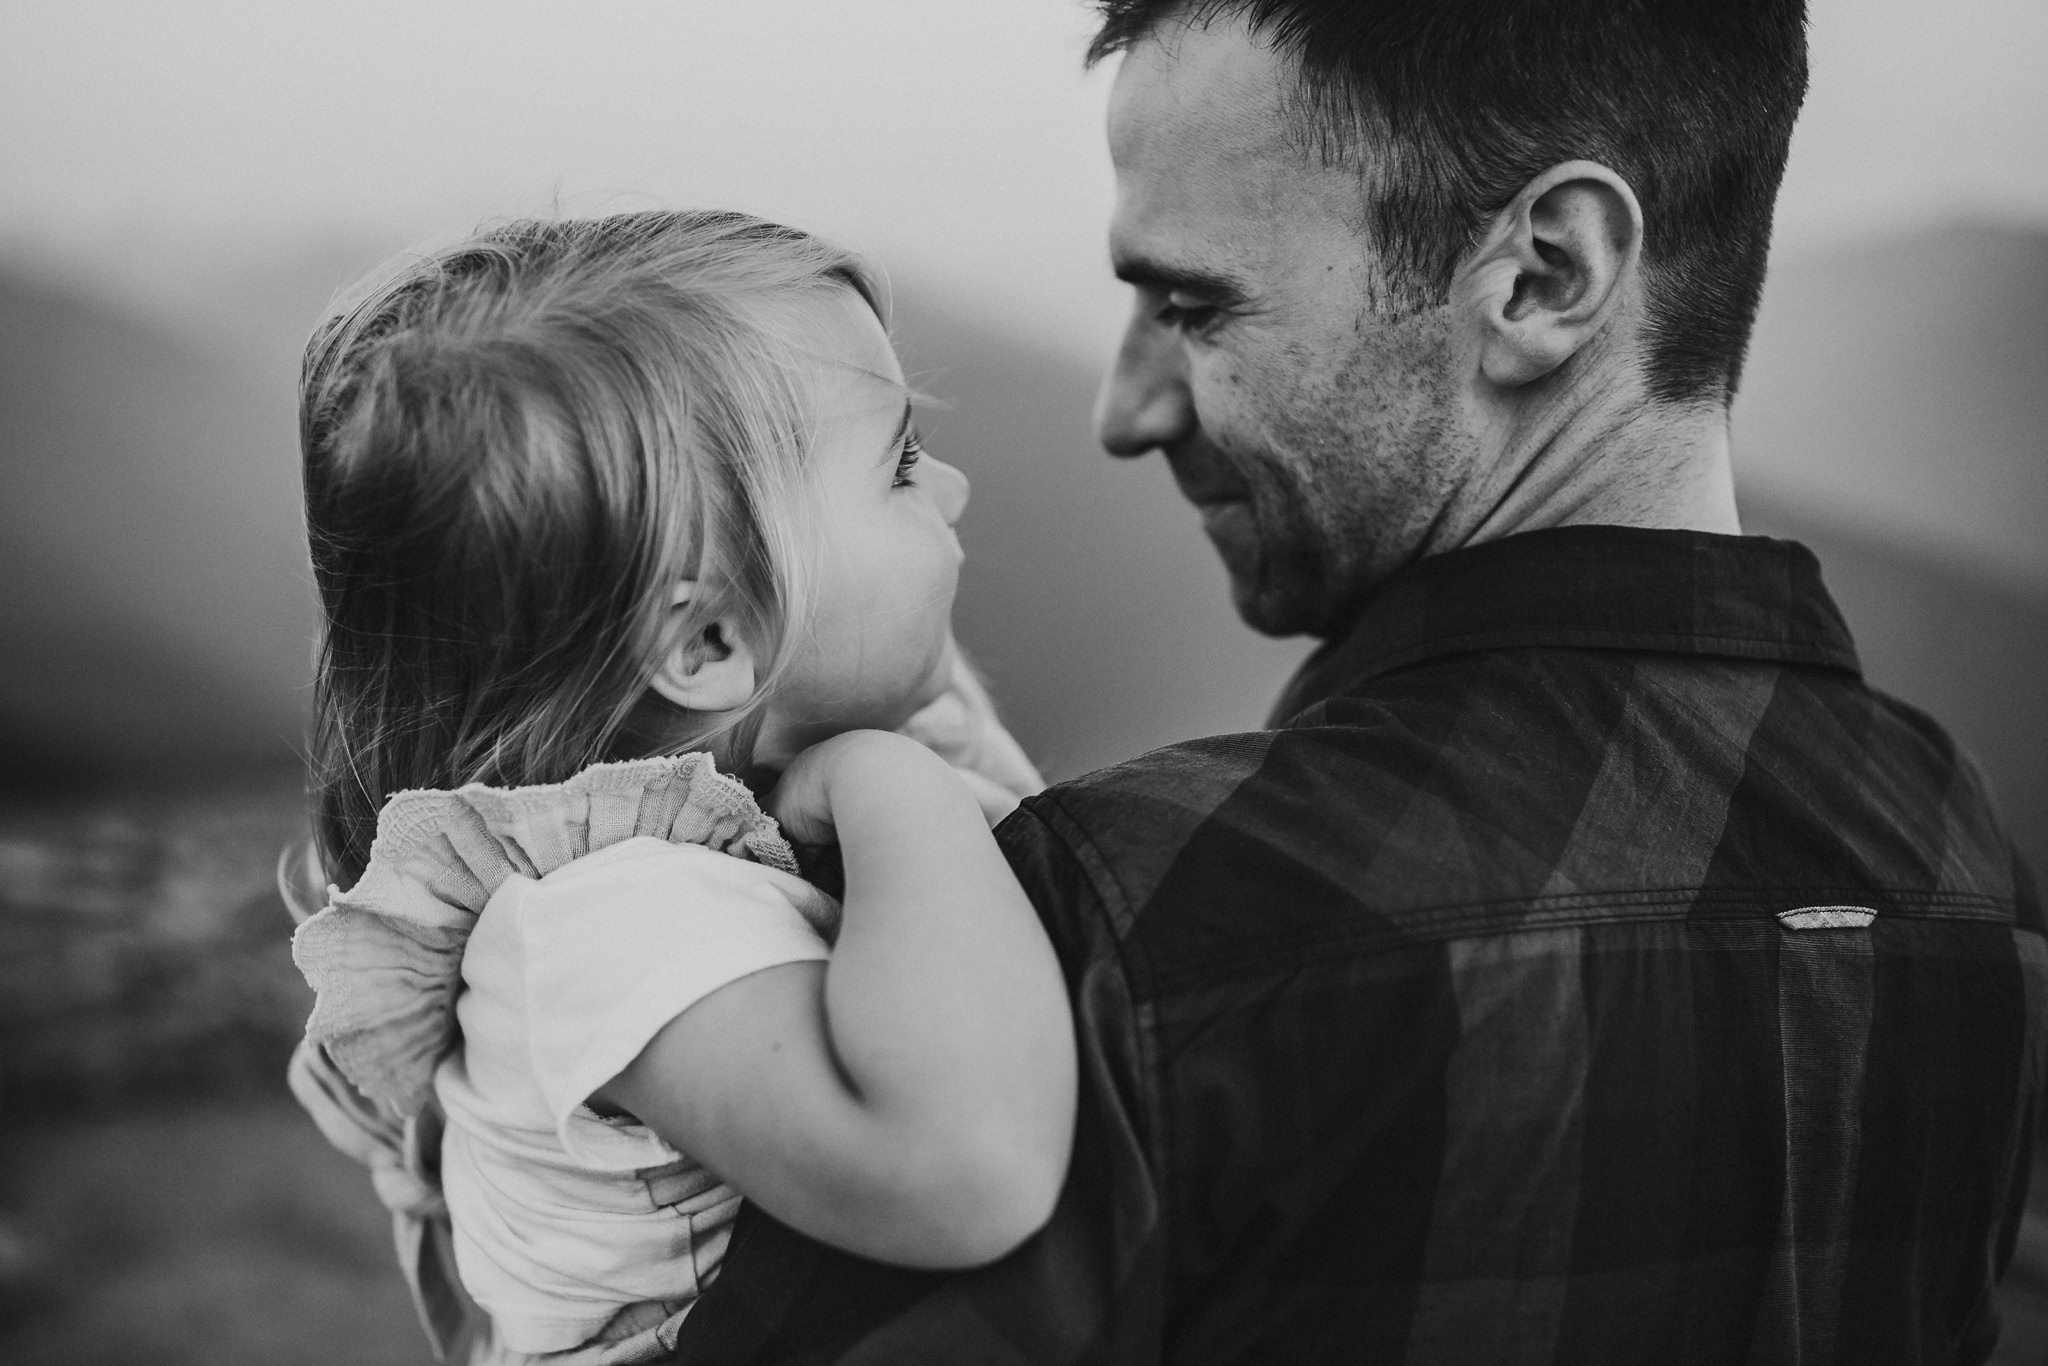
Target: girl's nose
949 488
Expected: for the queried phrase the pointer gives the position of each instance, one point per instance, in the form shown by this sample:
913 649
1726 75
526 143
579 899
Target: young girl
605 515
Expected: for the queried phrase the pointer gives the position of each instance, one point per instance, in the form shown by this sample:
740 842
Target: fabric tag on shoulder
1827 918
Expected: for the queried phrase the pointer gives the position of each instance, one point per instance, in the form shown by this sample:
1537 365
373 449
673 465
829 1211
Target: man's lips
1227 519
1204 499
1207 485
1222 499
1209 509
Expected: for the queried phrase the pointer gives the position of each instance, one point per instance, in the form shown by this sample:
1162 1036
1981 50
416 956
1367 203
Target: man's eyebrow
1148 274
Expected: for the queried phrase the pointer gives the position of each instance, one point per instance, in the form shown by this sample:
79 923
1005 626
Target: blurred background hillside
188 186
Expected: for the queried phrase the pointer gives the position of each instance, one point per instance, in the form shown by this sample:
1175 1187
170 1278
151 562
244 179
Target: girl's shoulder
384 958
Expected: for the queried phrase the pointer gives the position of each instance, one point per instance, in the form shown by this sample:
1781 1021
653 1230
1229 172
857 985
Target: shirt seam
1061 825
1468 920
1135 971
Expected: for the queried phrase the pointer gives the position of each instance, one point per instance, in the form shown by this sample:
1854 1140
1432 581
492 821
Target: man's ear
1552 269
708 666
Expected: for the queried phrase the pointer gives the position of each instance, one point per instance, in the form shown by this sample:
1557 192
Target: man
1587 967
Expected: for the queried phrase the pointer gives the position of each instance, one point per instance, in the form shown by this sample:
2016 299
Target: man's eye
906 461
1186 313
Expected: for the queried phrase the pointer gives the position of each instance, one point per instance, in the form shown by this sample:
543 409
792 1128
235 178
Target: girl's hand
798 802
858 765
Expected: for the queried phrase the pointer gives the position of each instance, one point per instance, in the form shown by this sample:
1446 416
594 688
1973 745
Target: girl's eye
913 450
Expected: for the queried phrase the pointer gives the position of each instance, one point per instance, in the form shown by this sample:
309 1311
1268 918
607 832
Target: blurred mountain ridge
160 602
1898 388
158 609
150 587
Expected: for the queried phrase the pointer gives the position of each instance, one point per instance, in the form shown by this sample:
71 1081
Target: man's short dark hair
1462 102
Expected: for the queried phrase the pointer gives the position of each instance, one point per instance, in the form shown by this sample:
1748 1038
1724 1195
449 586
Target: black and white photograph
1029 683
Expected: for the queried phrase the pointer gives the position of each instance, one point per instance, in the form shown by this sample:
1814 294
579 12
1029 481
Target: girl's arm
912 1100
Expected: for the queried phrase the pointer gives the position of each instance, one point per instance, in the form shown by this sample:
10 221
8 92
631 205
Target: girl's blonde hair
514 450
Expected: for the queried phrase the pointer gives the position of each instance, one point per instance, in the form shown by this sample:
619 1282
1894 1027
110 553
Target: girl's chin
780 743
938 685
783 737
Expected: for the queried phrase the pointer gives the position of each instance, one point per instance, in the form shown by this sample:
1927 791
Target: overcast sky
957 142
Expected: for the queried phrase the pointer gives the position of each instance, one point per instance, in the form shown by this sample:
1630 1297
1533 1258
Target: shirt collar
1591 588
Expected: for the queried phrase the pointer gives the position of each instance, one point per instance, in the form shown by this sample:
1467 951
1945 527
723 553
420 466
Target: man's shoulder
1334 776
1177 792
1176 783
1212 820
1189 781
1110 834
1464 797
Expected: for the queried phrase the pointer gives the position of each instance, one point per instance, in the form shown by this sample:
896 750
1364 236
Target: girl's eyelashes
906 461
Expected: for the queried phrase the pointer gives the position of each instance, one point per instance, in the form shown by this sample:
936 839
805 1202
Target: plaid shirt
1588 967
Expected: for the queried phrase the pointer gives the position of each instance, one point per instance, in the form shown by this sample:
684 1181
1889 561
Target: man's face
1318 438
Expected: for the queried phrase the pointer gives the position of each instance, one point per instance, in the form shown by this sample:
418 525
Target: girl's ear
706 669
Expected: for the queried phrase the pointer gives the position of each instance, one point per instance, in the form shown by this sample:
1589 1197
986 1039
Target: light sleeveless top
505 954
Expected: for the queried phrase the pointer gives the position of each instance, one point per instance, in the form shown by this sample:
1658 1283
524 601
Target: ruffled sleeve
385 957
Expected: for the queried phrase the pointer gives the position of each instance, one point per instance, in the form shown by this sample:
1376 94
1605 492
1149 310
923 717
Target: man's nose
1144 402
949 488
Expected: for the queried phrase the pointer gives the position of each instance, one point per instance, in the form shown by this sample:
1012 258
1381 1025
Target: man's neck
1624 463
